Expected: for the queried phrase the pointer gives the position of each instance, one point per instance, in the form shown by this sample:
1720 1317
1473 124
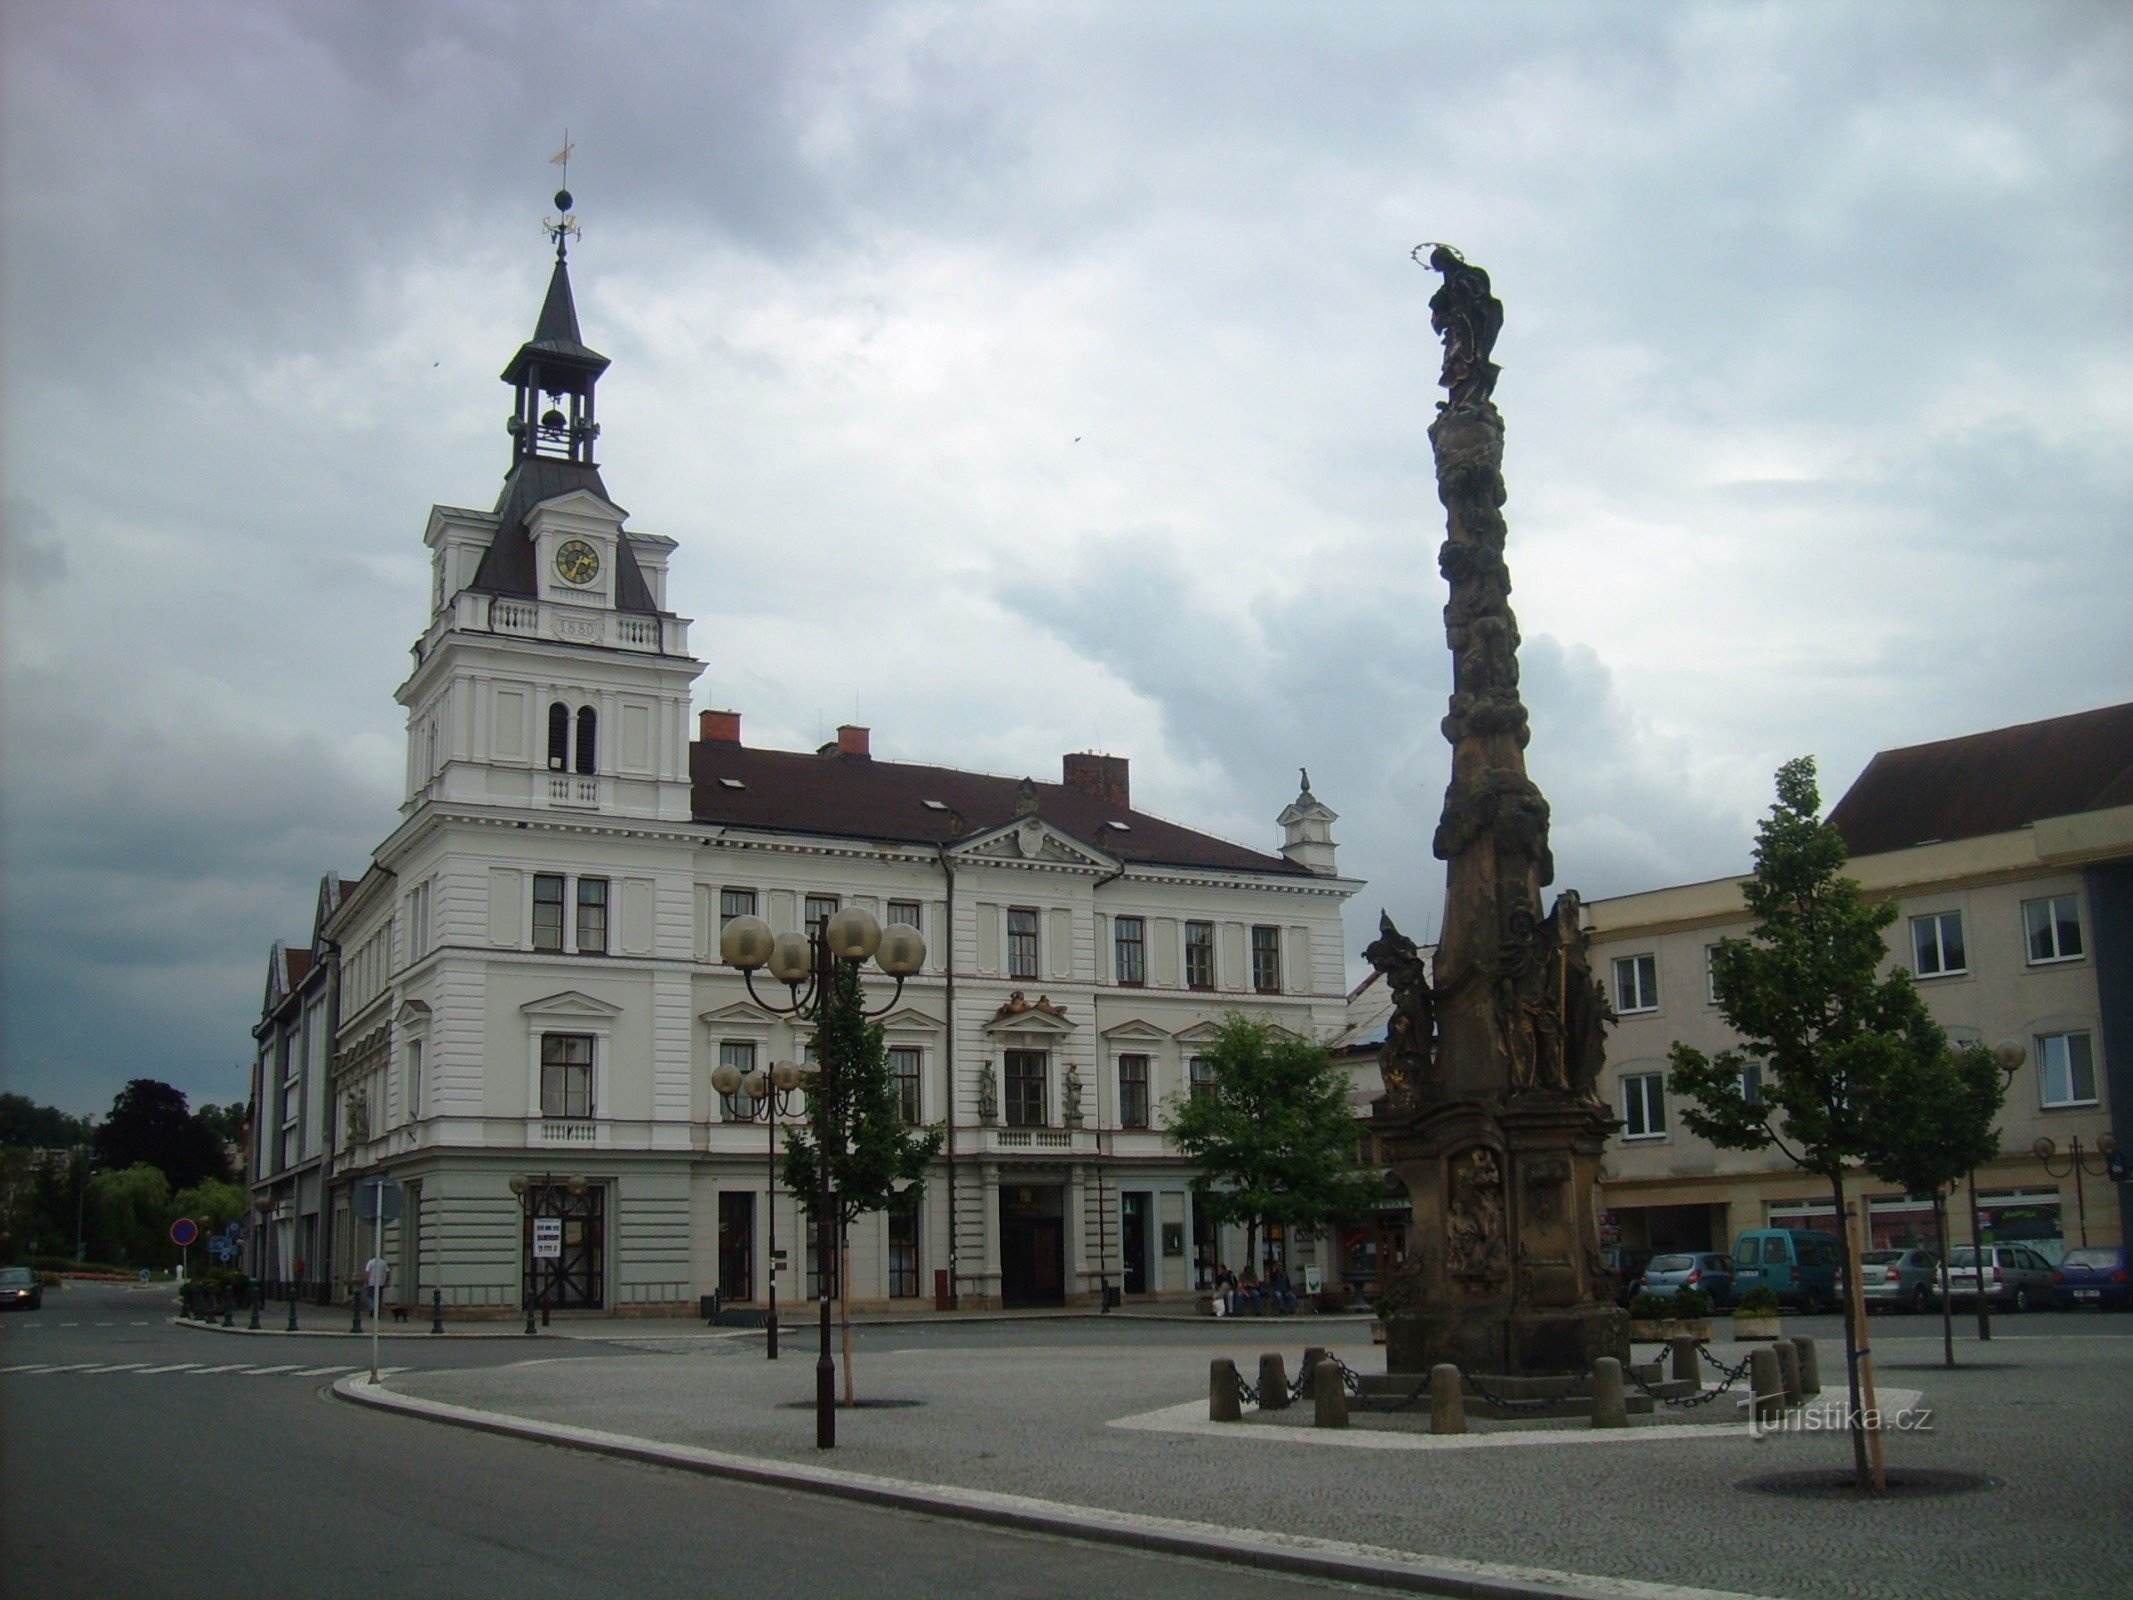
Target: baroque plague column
1489 1114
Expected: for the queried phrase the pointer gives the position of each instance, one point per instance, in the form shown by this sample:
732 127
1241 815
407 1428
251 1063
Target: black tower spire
555 372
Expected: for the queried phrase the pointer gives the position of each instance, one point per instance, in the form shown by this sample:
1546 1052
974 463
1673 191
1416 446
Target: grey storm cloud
1021 379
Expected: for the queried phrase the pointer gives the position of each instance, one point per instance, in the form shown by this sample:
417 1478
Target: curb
1371 1566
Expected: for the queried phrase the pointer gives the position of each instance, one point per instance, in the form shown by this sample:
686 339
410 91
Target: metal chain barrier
1702 1397
1475 1384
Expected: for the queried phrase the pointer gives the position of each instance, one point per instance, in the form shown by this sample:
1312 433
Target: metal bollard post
1273 1384
259 1295
228 1305
292 1307
1225 1400
355 1309
1609 1408
529 1312
1447 1402
436 1311
1329 1399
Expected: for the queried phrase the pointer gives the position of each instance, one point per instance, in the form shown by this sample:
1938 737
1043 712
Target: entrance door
1032 1245
578 1280
1133 1227
736 1246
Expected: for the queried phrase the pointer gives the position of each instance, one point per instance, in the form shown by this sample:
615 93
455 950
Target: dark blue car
2094 1275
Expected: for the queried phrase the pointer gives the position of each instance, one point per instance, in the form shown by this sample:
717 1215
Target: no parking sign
184 1231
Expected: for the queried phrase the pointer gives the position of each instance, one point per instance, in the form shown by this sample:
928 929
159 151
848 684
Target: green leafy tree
128 1215
1941 1103
875 1159
24 1124
211 1203
225 1122
1272 1133
1833 1037
150 1123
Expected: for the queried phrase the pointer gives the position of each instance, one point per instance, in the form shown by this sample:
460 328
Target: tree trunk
1947 1301
1858 1359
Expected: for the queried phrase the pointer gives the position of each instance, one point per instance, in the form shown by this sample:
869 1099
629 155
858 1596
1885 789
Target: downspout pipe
948 1142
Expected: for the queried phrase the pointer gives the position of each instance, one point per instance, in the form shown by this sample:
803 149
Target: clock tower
552 674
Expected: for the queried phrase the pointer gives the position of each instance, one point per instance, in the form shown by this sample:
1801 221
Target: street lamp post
809 965
767 1094
533 1193
2008 1058
2076 1168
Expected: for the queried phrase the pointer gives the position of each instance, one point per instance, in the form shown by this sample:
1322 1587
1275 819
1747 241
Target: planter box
1377 1331
1673 1328
1752 1328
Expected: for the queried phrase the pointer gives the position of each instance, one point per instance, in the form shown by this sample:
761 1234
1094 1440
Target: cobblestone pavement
2046 1417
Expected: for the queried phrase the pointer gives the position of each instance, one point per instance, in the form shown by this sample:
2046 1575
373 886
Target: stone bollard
1810 1366
1273 1384
1766 1385
1225 1401
1329 1399
1609 1408
1313 1355
1447 1401
436 1311
1684 1349
1788 1370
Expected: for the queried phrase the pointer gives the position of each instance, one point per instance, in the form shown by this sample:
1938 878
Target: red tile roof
1991 782
858 797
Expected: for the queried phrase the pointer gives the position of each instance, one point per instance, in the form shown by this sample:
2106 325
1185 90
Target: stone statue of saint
1410 1035
988 1093
1468 318
1070 1097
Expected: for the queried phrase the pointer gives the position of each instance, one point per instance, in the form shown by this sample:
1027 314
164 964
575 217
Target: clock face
577 561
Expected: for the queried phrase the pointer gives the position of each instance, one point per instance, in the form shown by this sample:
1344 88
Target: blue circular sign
184 1231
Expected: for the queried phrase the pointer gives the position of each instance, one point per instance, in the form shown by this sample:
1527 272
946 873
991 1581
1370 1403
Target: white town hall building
525 1005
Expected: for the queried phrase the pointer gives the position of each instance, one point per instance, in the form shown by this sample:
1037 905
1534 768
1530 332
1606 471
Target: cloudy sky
1021 378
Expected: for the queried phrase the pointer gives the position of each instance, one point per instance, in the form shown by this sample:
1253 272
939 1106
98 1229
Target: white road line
76 1367
28 1366
320 1372
261 1372
176 1366
234 1366
124 1366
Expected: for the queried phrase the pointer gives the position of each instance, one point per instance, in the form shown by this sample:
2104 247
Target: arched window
559 737
588 745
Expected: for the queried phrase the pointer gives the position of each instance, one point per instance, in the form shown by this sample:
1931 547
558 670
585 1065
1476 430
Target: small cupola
1307 830
554 374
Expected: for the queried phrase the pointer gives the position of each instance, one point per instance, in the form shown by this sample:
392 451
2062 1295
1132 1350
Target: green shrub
1691 1303
1649 1307
1757 1302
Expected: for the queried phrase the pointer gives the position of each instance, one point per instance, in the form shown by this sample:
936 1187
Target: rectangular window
1710 974
818 907
904 1063
1636 983
1200 1076
903 1247
908 911
2054 928
1751 1083
547 911
1199 955
1025 1089
734 903
1129 943
1937 944
2066 1069
738 1054
1644 1105
414 1079
1133 1091
592 916
419 920
566 1075
1021 942
1266 960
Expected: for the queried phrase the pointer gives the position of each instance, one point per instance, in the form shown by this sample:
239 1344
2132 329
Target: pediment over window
1206 1033
1135 1031
570 1003
413 1014
1031 839
739 1014
909 1019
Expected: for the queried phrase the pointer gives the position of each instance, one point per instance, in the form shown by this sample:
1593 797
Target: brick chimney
719 727
1098 777
852 741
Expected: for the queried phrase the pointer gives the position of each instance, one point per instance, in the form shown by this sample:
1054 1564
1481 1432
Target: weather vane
562 225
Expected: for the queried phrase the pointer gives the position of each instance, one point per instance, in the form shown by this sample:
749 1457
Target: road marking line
76 1367
126 1366
261 1372
234 1366
29 1366
320 1372
178 1366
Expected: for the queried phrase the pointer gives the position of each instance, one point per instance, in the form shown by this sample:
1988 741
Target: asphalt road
251 1480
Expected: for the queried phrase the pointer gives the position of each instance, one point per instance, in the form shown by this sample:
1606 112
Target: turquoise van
1798 1265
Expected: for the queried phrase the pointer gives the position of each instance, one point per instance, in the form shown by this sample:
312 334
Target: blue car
1713 1274
2093 1276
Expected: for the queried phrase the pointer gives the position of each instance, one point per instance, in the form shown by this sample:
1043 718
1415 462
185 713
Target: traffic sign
378 1200
223 1247
547 1238
184 1231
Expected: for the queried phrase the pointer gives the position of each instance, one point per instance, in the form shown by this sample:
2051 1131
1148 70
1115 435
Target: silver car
2016 1277
1899 1280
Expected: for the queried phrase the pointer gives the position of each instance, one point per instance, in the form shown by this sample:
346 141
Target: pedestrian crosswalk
187 1369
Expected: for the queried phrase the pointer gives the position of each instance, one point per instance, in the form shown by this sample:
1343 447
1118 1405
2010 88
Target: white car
2016 1277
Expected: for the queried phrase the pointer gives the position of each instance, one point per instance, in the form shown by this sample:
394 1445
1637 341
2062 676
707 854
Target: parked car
1798 1265
1627 1263
2016 1277
2094 1275
1899 1280
1713 1274
20 1287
